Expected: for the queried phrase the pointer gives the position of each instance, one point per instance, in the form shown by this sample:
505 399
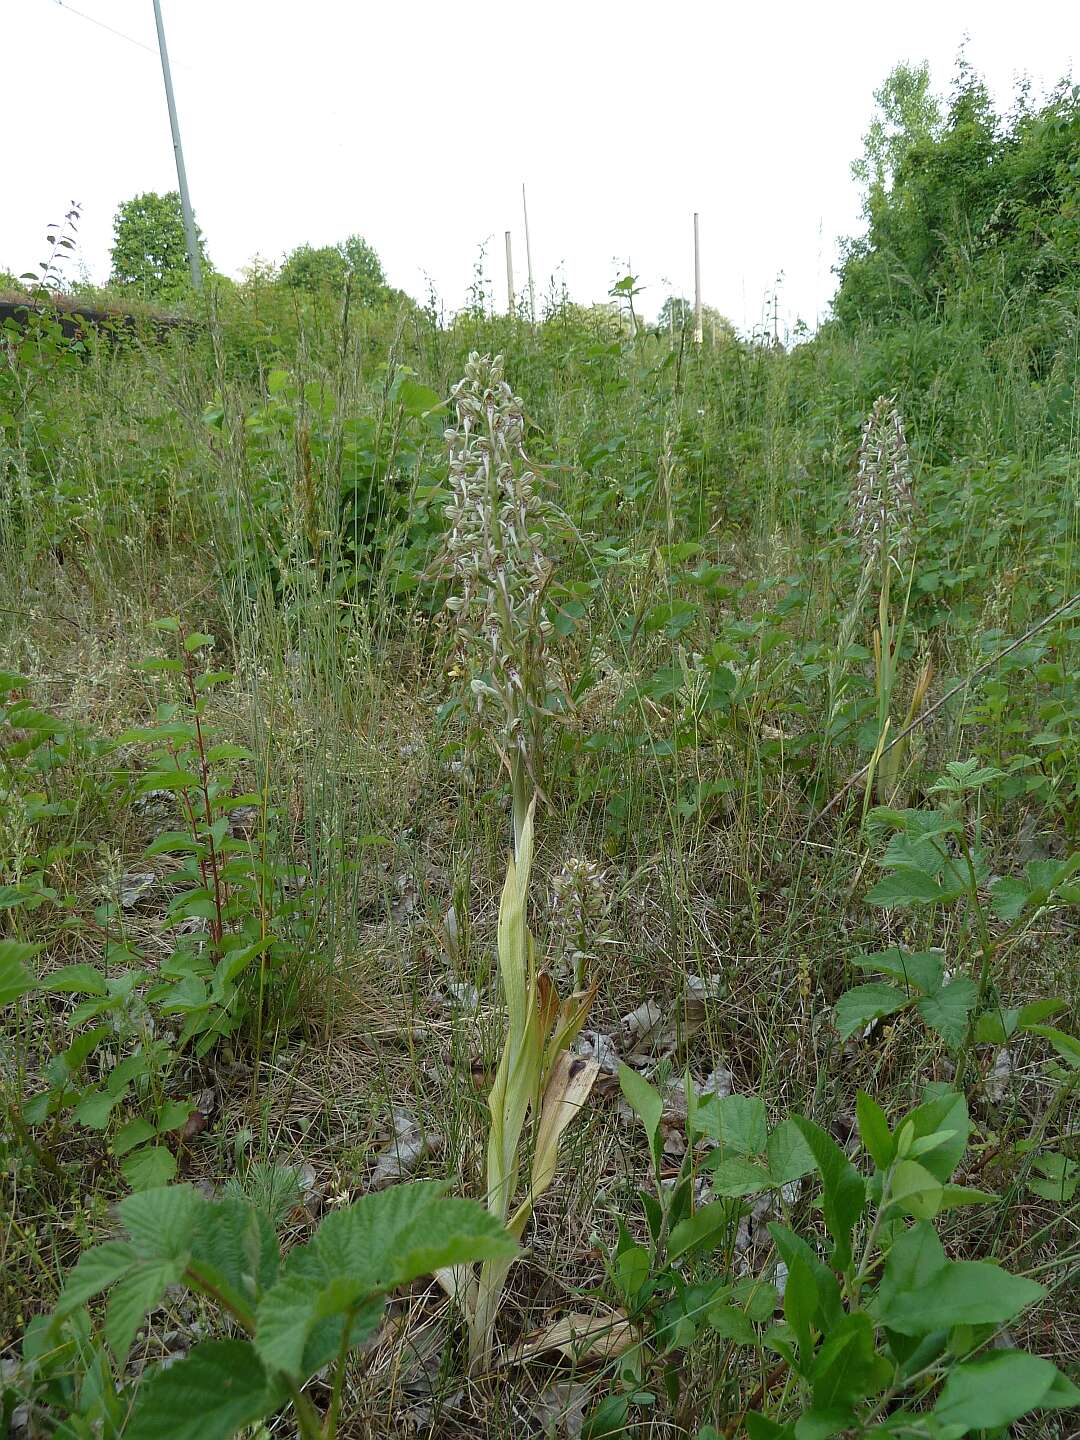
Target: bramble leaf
96 1269
860 1006
947 1012
788 1155
218 1388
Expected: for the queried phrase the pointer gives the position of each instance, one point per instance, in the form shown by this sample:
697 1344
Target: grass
703 571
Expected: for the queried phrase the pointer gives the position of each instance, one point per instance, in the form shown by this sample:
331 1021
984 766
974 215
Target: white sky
414 123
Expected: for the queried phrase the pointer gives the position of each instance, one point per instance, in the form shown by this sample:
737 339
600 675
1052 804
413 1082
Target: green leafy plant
935 859
239 929
328 267
536 1077
288 1319
149 250
885 1335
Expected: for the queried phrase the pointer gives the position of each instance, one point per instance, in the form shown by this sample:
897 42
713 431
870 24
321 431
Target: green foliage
149 250
888 1319
963 206
238 923
714 693
932 860
325 1300
326 269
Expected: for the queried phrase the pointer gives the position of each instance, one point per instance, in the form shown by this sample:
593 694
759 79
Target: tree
677 309
327 267
907 113
965 207
149 253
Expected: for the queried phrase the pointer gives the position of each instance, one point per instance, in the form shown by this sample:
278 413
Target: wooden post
528 258
509 277
697 281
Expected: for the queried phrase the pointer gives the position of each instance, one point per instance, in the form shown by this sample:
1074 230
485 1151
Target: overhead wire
71 10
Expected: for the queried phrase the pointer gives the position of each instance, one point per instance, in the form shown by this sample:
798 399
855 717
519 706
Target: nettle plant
237 922
935 858
288 1320
879 1335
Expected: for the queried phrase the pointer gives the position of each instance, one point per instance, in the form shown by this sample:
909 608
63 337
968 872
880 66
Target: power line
102 26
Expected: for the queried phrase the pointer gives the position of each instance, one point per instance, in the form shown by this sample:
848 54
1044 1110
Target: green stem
306 1414
519 783
987 948
22 1133
330 1428
864 1267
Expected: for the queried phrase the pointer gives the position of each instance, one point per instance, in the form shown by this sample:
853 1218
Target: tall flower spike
499 569
883 492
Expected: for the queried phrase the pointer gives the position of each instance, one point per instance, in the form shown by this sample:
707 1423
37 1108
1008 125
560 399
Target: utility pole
509 277
528 257
181 173
697 281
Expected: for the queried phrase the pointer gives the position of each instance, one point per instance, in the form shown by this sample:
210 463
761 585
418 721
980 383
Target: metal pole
697 282
181 173
528 257
509 277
